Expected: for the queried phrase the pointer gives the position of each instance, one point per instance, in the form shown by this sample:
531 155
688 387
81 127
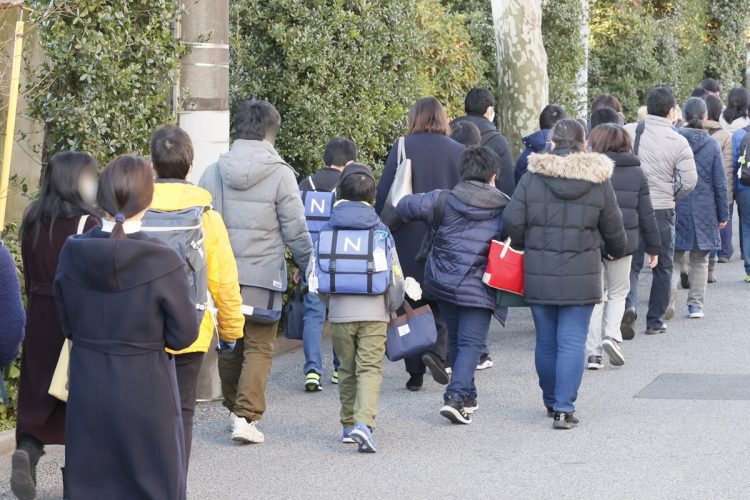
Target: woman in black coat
434 162
560 212
123 297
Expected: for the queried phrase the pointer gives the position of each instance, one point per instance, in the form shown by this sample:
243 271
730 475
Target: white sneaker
448 370
232 421
613 351
247 432
485 363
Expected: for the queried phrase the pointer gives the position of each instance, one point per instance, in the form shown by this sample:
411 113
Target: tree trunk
523 84
583 71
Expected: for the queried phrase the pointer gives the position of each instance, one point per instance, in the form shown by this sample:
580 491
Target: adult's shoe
564 420
415 382
335 377
362 435
595 363
669 313
656 330
346 437
312 382
437 368
471 405
22 476
612 349
695 312
723 260
485 361
627 326
455 412
247 432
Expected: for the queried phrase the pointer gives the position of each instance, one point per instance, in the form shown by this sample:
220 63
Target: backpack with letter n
182 231
743 172
353 261
318 205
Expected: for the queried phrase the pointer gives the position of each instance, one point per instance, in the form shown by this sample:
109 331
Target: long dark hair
126 188
736 105
694 112
59 196
428 115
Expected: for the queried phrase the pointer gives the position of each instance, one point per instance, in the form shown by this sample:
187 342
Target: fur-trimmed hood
571 176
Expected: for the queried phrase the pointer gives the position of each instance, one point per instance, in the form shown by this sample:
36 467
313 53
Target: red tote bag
504 268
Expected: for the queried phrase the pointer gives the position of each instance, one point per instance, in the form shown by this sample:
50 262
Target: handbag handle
401 151
506 246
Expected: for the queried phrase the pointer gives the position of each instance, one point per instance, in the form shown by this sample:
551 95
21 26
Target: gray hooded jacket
256 192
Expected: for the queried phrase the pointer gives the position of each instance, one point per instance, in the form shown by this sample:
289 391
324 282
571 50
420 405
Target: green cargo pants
360 347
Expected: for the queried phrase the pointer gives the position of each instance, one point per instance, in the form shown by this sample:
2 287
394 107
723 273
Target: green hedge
727 41
561 29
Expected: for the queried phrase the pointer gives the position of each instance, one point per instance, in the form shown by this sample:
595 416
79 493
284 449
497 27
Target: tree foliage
726 38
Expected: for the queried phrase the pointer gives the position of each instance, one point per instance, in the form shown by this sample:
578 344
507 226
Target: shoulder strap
401 150
638 133
440 208
312 184
82 223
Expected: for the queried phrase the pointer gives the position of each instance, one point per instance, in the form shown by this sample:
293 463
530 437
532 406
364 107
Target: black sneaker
595 363
471 405
415 382
564 420
627 326
656 330
455 412
685 281
437 369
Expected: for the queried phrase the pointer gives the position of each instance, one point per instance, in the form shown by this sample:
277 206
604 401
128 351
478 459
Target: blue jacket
456 264
535 143
14 317
699 213
736 141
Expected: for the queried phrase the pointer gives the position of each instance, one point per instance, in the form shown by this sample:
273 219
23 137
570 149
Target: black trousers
188 367
414 364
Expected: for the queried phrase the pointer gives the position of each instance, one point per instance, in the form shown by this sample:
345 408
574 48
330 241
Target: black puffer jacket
560 211
634 199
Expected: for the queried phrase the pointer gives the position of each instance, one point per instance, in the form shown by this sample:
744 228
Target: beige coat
724 137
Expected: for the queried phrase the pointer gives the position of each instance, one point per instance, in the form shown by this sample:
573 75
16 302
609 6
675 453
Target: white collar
129 227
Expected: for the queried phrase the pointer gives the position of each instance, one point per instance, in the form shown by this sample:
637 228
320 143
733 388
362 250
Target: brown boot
712 271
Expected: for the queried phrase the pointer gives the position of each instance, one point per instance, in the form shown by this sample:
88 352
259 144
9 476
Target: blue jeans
312 334
743 203
467 337
661 283
560 351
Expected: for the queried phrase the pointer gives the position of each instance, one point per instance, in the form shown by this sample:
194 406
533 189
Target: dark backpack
743 172
488 135
429 236
182 231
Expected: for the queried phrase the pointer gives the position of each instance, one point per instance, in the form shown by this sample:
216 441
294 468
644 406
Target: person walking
456 263
63 208
735 115
256 193
123 298
705 211
479 106
668 162
560 213
434 162
172 154
634 200
538 141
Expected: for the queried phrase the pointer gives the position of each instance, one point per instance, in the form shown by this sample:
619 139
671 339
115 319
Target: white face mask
87 186
491 116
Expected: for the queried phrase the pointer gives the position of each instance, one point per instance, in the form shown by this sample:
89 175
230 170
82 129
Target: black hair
551 114
466 133
699 92
357 187
126 188
606 101
479 164
59 195
171 152
711 85
605 115
339 151
257 120
714 107
694 112
736 104
478 100
569 134
660 101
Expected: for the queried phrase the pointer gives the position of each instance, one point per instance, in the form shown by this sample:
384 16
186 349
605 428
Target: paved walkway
625 447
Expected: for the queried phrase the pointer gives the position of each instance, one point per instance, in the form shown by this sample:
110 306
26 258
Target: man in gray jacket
256 192
668 162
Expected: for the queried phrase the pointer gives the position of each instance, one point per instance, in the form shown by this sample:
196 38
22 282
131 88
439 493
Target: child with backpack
457 260
317 193
356 271
181 215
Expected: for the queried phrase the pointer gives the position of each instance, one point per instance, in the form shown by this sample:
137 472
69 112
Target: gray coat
256 192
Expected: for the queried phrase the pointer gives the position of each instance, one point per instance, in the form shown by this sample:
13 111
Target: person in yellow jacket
172 157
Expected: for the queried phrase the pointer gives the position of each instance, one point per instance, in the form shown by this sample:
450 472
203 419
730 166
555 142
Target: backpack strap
82 223
638 133
370 260
487 136
312 184
332 259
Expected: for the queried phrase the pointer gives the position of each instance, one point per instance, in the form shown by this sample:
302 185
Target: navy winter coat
699 213
535 143
14 317
471 219
434 163
634 199
560 212
494 140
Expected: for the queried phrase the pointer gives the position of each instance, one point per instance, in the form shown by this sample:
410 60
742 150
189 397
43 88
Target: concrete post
202 97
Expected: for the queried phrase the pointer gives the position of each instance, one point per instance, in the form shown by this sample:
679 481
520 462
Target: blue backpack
318 205
353 261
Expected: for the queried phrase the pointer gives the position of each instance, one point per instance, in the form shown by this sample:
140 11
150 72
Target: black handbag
294 315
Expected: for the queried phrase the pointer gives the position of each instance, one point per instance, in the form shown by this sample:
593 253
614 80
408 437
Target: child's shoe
362 435
335 377
312 382
347 436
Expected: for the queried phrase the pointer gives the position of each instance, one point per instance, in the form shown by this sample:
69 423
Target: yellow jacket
223 284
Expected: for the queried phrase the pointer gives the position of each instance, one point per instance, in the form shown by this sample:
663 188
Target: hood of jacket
571 176
353 215
478 201
537 141
248 163
697 139
98 262
624 159
177 195
712 125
